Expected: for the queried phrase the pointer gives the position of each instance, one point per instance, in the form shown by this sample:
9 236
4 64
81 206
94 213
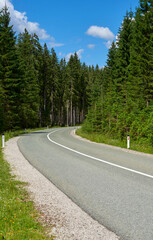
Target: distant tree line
36 89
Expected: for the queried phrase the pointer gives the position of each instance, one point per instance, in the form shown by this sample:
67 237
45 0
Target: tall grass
107 139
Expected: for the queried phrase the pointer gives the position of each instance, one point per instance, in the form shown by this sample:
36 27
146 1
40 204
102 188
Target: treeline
122 102
36 89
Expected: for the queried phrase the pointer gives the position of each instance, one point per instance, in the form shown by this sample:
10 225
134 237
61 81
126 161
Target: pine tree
63 94
44 85
123 56
9 81
141 67
74 75
95 87
1 101
29 91
110 113
54 87
38 64
121 81
83 92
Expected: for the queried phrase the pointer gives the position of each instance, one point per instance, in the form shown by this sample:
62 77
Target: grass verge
100 138
19 219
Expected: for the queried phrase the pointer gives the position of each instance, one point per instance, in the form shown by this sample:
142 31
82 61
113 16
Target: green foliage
115 141
29 91
44 86
76 86
8 73
124 105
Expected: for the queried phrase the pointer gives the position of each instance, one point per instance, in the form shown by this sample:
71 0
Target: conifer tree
44 85
123 56
77 93
110 114
54 87
141 67
94 118
74 74
121 80
63 93
83 92
1 101
29 91
8 74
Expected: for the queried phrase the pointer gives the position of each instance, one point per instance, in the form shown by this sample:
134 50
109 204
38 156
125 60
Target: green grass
14 133
100 138
19 219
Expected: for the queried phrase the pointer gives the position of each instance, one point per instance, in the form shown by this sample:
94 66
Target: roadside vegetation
110 140
19 220
121 97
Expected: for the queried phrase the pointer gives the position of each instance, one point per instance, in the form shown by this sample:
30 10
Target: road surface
113 186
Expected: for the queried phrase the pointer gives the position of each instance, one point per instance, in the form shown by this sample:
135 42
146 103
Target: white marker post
128 141
3 141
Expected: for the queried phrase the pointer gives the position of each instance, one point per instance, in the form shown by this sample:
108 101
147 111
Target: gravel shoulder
64 218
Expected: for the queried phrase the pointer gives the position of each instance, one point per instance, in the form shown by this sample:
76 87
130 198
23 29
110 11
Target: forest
36 89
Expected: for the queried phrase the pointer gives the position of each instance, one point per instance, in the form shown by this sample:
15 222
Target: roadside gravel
64 218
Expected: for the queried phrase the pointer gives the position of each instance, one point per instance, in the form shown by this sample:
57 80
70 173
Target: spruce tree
54 87
110 109
29 91
44 85
121 80
63 93
74 74
38 64
95 88
83 92
2 117
9 92
123 56
141 67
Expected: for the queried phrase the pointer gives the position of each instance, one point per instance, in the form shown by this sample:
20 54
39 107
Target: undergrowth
107 139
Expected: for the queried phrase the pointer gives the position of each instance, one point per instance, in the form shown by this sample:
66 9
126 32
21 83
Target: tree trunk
67 113
71 112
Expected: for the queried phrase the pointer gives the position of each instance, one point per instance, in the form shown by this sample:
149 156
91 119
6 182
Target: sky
83 26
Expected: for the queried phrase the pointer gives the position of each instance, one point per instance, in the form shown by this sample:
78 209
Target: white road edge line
97 159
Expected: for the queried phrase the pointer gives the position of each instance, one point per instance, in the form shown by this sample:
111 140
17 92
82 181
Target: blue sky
85 27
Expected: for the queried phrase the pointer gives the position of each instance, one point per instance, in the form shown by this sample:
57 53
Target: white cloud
68 56
117 40
91 46
54 44
19 20
100 32
79 53
108 44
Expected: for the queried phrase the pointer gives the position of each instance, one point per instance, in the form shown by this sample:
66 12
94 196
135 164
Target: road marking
97 159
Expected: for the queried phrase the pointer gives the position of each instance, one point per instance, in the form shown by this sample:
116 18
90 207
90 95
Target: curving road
112 185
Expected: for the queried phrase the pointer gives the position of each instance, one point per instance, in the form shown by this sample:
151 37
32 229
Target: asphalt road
113 186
